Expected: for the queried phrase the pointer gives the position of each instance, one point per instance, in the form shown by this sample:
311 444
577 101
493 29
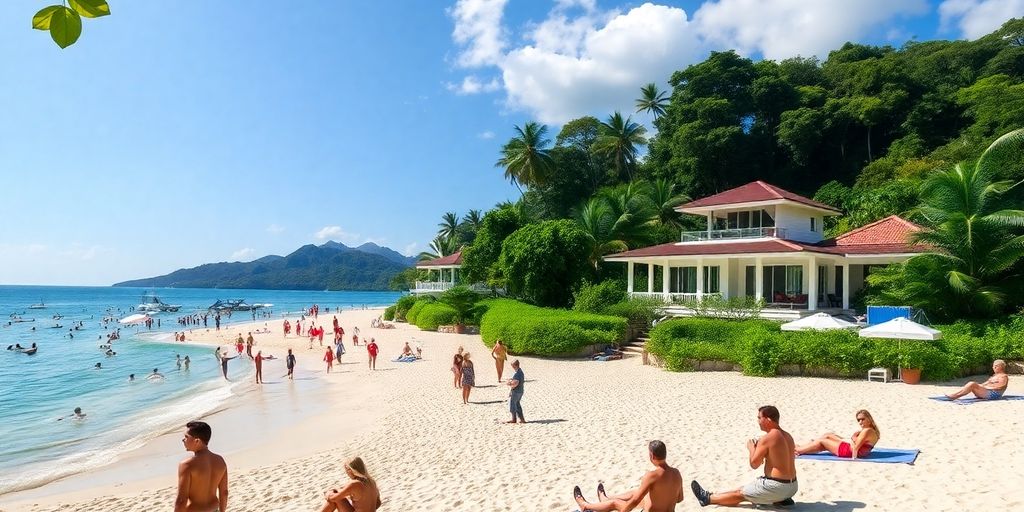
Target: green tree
621 139
652 100
479 260
543 263
439 248
665 197
462 300
449 226
526 157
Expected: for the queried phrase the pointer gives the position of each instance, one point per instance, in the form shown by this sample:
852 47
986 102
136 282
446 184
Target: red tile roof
454 258
890 235
753 192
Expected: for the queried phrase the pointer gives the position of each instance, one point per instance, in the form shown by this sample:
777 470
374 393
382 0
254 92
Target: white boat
152 304
41 305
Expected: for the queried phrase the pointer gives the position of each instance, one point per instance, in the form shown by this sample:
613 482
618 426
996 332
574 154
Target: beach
589 422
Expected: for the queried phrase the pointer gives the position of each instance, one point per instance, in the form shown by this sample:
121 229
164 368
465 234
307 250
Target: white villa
766 243
447 277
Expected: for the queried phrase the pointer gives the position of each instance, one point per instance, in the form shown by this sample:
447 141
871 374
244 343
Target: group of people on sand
464 376
203 479
661 488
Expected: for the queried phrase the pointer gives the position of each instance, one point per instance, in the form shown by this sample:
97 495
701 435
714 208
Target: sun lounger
973 400
879 455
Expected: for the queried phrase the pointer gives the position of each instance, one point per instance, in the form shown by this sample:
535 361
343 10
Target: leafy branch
65 23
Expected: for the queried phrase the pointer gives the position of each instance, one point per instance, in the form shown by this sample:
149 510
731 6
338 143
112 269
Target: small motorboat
40 305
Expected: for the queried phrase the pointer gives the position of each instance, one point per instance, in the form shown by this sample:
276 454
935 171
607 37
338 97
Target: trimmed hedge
389 313
432 314
760 347
527 329
415 310
404 304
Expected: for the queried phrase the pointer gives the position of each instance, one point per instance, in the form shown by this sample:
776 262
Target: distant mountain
331 266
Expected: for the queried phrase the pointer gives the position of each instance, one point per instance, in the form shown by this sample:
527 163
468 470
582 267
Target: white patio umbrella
819 322
137 318
901 329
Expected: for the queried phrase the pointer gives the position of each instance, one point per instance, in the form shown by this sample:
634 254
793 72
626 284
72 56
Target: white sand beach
588 422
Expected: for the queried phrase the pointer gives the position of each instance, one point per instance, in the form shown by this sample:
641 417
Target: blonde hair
465 356
871 419
358 468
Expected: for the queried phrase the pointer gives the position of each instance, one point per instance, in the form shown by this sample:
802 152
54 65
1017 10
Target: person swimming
97 367
77 415
156 375
131 377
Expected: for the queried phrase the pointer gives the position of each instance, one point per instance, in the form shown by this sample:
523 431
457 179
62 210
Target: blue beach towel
879 455
973 400
406 359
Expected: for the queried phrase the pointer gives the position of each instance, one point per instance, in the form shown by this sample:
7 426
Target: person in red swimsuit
329 359
371 350
861 442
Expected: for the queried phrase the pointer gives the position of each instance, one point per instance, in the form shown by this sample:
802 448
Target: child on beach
329 359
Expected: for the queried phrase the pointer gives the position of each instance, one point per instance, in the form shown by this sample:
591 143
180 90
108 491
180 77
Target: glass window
812 223
683 280
712 283
767 220
755 219
744 220
822 283
733 219
794 279
750 281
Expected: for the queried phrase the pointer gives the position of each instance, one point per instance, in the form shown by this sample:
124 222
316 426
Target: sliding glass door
785 279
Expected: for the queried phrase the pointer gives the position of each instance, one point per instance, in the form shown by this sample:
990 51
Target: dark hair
658 449
770 412
199 430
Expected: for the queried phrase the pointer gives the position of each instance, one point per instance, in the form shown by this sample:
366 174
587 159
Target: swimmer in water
97 367
131 378
77 415
155 375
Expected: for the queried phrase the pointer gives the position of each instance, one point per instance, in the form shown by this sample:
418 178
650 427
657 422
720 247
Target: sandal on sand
600 490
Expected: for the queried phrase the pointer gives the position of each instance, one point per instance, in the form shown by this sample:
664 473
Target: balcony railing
732 234
675 298
441 286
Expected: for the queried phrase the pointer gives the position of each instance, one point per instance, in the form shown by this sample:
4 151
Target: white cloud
473 85
486 135
411 249
581 60
976 18
242 254
478 31
275 229
337 234
779 29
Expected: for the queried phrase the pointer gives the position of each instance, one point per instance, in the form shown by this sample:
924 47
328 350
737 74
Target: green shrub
389 312
595 298
637 310
414 310
527 329
403 306
461 299
433 314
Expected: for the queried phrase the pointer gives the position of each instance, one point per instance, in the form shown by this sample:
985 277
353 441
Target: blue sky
168 137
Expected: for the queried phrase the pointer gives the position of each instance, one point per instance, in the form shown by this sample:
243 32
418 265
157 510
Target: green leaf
41 21
90 8
65 27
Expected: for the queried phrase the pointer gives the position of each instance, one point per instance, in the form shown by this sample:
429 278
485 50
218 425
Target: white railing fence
730 234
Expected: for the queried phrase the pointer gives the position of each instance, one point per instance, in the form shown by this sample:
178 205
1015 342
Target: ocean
37 389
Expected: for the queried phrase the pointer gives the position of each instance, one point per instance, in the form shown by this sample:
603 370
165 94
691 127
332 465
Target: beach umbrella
137 318
900 329
818 322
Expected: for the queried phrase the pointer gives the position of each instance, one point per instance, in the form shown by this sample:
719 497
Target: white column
711 221
453 277
758 278
700 278
846 286
812 285
665 274
629 277
723 275
650 278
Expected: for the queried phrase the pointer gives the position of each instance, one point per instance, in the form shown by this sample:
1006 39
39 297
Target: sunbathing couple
662 488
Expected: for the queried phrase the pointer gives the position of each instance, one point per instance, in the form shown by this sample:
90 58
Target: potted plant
462 300
911 362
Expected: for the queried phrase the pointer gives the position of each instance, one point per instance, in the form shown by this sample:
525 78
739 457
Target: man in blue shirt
516 383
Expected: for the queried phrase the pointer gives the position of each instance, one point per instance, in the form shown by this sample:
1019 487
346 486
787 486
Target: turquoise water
120 415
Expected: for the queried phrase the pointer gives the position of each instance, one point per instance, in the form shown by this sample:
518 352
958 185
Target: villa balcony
732 234
676 298
423 287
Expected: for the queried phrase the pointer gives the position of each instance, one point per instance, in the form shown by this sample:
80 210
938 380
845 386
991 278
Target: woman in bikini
457 368
360 495
857 447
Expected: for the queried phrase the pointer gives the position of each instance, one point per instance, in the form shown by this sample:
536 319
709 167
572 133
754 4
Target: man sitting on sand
777 451
660 489
991 389
203 477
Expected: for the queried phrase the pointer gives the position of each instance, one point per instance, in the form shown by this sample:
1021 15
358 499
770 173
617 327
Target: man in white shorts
777 451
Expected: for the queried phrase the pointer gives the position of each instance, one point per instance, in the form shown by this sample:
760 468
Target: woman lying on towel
608 354
857 447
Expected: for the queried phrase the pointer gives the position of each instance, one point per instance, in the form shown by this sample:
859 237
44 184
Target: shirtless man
991 389
776 451
203 477
660 489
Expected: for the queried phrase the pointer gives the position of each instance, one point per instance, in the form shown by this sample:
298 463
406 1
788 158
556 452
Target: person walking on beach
457 368
259 366
660 488
777 452
224 364
203 477
249 342
339 347
329 359
499 353
371 350
289 361
468 377
516 394
240 344
359 495
991 389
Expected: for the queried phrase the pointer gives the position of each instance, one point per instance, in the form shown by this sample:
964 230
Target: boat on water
152 304
40 305
234 305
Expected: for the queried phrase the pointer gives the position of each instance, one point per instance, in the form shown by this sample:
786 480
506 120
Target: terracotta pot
910 375
460 329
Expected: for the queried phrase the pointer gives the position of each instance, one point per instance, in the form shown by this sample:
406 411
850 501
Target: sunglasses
861 419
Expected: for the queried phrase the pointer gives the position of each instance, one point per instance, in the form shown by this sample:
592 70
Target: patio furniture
878 373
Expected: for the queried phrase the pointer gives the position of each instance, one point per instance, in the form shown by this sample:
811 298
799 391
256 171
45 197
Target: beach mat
879 455
973 400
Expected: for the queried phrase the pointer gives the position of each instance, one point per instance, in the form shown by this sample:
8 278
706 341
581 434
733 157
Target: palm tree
652 100
473 220
620 138
526 157
616 220
664 199
596 219
449 225
971 227
439 248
